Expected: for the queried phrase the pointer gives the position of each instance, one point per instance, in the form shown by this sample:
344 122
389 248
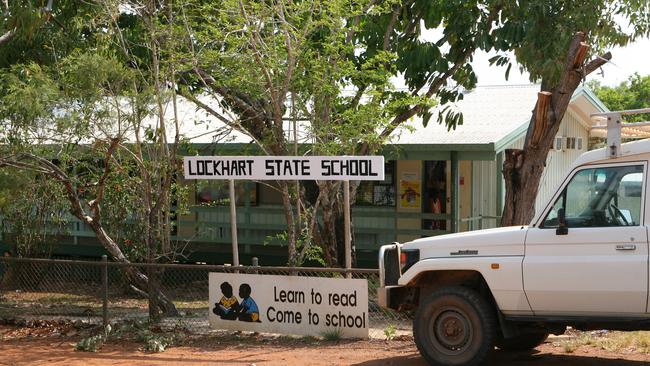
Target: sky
625 62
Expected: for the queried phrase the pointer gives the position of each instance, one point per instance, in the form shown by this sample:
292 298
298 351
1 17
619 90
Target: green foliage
154 342
34 213
44 35
138 331
69 111
390 332
539 32
90 344
631 94
309 252
93 343
332 335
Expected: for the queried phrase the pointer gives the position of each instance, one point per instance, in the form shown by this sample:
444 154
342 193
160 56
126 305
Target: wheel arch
429 281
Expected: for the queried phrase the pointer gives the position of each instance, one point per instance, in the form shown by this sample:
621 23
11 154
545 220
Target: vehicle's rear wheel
522 342
454 326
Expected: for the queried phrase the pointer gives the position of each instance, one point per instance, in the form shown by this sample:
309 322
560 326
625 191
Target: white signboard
289 304
284 167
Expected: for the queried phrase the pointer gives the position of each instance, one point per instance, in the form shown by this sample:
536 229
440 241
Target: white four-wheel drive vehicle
582 262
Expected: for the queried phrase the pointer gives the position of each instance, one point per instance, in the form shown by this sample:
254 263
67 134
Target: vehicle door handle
626 247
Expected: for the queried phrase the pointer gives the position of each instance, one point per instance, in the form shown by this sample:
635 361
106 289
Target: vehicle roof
629 151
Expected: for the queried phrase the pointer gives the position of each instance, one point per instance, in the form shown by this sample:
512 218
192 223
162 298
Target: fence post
105 290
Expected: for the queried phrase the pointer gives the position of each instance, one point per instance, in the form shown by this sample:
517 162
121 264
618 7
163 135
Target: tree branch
597 62
391 26
256 55
227 122
56 173
8 36
239 100
356 21
101 184
541 116
435 86
291 58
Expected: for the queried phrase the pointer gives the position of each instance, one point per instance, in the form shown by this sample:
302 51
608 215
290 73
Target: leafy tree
44 30
32 212
545 43
93 120
631 94
327 65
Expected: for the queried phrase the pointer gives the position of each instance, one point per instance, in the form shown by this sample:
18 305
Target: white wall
559 162
484 188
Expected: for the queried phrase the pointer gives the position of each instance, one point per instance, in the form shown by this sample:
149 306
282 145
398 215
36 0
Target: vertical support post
614 134
233 224
455 208
105 290
247 214
499 201
346 218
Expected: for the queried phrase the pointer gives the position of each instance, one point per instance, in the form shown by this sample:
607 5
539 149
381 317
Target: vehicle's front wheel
454 326
523 342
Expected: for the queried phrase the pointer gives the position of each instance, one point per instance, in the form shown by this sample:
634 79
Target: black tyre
454 326
523 342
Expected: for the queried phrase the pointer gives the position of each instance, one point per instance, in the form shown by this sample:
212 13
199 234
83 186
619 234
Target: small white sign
289 304
284 167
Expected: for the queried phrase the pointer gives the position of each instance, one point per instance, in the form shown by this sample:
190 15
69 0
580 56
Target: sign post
345 168
233 223
348 233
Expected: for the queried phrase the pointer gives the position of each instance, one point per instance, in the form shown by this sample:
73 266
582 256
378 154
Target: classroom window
215 192
378 193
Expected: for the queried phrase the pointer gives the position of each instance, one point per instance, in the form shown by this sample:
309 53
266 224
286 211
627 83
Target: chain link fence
99 291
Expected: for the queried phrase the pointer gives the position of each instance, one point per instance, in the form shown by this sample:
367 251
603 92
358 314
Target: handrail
480 219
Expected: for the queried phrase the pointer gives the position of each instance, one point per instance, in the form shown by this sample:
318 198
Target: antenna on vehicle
616 128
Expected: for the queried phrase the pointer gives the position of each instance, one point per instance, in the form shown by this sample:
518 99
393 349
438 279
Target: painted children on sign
228 307
248 310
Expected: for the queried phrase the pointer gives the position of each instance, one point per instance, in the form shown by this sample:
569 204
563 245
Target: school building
436 182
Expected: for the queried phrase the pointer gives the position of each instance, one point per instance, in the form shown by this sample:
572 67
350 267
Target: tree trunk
331 236
522 169
135 275
292 231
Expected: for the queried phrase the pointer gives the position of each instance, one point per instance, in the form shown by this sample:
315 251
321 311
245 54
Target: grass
638 341
332 335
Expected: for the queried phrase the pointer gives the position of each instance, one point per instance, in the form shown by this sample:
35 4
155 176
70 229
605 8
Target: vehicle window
600 197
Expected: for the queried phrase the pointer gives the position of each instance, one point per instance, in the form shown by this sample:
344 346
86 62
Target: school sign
284 167
289 304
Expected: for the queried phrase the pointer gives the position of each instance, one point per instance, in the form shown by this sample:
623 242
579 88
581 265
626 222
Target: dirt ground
20 347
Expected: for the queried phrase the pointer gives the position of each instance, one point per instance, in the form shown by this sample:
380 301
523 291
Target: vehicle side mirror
562 228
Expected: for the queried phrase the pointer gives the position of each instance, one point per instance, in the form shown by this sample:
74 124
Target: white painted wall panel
558 163
484 187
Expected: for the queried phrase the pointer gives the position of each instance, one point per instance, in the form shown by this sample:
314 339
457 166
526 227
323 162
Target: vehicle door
588 255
